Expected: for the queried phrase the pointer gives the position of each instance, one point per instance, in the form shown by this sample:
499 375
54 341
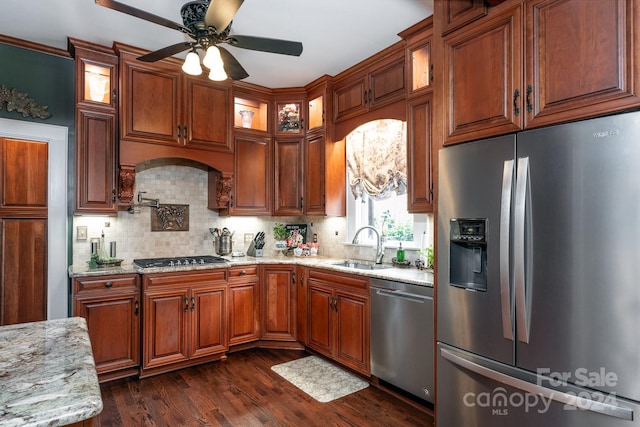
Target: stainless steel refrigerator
538 290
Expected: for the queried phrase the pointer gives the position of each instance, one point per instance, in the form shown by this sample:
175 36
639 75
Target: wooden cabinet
253 182
419 154
338 317
302 305
184 320
96 128
111 306
23 230
516 68
278 302
244 296
288 197
455 13
162 105
360 90
314 173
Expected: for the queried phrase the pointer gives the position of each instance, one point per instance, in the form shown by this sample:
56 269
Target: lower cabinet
278 303
244 318
338 317
184 319
111 306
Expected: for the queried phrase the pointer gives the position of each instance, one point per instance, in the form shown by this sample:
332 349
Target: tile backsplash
183 182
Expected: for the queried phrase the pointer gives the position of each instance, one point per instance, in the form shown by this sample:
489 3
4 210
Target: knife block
252 251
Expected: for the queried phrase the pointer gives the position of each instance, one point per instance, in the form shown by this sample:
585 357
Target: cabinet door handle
179 133
243 273
108 284
301 202
193 303
529 104
516 109
293 279
302 280
113 195
115 96
137 308
186 304
184 135
230 200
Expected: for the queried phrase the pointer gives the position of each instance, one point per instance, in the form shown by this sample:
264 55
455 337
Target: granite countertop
401 274
47 374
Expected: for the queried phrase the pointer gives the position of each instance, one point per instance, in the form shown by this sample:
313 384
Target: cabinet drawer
190 278
104 283
346 280
243 272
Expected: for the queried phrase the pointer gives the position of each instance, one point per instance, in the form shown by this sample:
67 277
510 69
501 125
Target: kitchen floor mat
319 379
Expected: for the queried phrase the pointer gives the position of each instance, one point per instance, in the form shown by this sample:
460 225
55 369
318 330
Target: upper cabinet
379 83
96 127
163 105
537 63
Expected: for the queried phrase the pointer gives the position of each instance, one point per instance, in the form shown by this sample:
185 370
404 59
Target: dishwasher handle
404 295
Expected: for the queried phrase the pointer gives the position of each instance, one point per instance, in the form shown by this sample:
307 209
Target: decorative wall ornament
170 218
20 102
223 189
127 178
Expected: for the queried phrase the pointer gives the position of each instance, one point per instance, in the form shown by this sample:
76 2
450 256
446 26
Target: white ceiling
336 34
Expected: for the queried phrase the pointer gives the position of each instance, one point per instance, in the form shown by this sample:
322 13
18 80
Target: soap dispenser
400 254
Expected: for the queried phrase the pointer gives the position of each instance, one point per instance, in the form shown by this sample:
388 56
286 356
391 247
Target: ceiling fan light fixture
192 64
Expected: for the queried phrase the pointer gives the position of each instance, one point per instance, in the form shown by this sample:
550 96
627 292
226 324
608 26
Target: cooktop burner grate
178 261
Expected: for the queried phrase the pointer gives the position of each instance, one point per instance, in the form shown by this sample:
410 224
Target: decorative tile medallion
170 218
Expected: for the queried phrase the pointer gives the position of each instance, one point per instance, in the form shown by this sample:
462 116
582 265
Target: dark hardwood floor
244 391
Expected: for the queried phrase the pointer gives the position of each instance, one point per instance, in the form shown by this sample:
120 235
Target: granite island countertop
402 274
47 374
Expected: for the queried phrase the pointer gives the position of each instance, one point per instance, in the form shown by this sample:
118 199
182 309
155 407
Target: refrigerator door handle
556 395
505 224
522 314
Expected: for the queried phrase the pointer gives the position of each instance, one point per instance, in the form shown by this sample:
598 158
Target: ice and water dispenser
468 253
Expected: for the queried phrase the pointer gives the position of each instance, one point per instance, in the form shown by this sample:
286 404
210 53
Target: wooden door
319 328
23 230
350 97
150 103
279 304
252 181
206 110
581 59
166 315
419 145
314 199
482 78
208 325
387 82
289 177
243 318
96 161
114 329
352 331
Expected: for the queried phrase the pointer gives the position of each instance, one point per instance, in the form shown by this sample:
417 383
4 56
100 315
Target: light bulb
192 64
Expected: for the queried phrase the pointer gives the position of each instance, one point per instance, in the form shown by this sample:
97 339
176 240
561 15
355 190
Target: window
377 185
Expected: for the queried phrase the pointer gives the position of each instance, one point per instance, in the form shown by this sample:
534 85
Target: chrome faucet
379 250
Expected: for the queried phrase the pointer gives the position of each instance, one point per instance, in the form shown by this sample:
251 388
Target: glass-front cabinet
250 114
289 117
316 113
420 58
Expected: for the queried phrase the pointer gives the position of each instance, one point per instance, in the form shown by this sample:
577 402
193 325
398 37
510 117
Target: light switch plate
81 233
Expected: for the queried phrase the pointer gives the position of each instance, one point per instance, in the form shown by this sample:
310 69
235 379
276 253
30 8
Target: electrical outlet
248 237
81 233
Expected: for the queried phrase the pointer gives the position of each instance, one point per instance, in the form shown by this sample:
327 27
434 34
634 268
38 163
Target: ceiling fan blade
231 65
263 44
121 7
165 52
221 12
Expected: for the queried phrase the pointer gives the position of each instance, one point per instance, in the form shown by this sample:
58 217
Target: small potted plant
427 255
280 234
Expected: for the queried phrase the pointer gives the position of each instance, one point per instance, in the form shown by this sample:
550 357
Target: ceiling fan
208 23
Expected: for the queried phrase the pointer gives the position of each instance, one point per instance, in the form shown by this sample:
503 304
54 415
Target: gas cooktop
176 261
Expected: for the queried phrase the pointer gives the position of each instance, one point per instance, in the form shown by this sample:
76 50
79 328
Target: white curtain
377 159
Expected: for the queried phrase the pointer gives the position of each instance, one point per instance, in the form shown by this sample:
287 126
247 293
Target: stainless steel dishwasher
402 331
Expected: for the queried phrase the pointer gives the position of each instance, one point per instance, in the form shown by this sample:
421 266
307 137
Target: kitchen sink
361 265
